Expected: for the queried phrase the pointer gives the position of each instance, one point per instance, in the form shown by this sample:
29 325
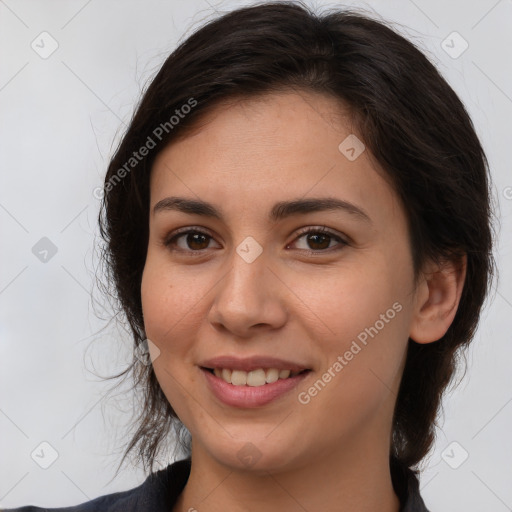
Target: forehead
280 145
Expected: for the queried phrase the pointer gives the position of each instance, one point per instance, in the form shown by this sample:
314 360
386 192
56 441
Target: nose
250 298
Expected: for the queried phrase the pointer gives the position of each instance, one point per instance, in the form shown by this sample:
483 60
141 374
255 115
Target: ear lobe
438 296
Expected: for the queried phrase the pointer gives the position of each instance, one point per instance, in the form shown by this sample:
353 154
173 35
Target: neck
356 478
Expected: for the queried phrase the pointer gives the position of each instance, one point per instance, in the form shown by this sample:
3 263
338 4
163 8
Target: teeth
256 378
284 374
238 378
253 378
225 374
271 376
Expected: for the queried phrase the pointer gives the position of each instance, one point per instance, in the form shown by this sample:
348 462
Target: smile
241 389
254 378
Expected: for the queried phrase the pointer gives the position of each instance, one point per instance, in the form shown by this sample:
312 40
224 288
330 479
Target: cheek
173 304
358 382
365 315
169 300
170 307
342 303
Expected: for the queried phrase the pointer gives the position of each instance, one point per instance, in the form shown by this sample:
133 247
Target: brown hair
410 119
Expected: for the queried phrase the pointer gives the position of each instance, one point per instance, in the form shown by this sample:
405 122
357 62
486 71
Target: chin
255 454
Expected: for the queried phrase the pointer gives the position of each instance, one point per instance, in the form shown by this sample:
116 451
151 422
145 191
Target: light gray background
60 119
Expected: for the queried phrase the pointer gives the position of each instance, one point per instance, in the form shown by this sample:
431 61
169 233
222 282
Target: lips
251 382
247 396
252 363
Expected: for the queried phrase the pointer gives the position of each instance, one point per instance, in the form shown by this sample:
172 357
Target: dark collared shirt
160 491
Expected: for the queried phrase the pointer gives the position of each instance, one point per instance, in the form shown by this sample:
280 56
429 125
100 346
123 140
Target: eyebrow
279 211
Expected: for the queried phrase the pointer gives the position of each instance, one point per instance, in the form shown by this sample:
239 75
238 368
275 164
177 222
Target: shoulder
126 500
154 495
407 488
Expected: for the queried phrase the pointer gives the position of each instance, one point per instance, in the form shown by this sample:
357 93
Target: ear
437 299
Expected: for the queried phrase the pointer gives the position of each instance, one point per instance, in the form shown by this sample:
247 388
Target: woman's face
261 288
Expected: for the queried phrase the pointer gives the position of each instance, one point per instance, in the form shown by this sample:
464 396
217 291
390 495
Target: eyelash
323 230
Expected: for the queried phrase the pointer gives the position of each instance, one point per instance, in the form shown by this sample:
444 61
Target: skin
326 454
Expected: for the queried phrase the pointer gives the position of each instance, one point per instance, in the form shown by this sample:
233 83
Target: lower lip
250 396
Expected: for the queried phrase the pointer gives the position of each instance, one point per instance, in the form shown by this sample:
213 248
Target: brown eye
190 240
319 240
197 241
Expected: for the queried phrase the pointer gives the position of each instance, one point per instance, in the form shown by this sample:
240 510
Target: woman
298 228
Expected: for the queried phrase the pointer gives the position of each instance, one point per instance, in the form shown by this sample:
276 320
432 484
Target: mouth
251 381
253 388
254 378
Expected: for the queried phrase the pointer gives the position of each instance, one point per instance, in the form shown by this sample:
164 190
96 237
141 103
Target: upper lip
252 363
